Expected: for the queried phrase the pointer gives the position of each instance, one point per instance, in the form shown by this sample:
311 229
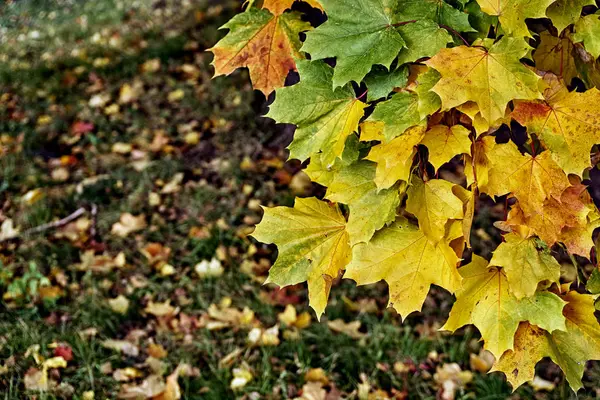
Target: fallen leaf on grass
100 263
313 391
128 224
206 269
351 329
7 230
264 337
151 386
291 318
161 309
119 304
482 362
122 346
127 374
241 377
450 378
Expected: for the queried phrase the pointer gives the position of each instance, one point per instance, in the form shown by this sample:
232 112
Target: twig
50 225
456 33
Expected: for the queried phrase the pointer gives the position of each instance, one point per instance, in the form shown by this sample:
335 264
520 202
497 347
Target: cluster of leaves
392 91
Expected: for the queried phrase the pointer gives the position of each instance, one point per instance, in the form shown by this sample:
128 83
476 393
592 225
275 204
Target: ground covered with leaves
129 184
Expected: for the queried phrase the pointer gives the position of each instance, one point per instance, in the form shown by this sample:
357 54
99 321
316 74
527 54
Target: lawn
130 181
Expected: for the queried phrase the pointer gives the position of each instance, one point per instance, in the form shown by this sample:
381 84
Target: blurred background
129 183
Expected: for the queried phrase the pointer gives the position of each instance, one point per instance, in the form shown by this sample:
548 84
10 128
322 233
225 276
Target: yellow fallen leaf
7 230
127 374
55 362
161 309
123 346
241 377
450 378
121 148
351 329
175 95
119 304
206 269
316 375
128 224
150 387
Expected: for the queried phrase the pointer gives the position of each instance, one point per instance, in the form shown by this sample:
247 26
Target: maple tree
390 92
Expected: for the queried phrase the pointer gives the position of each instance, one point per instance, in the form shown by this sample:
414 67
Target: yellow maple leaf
531 179
569 349
434 204
555 54
486 302
313 246
526 262
402 255
491 78
568 123
394 159
512 13
265 43
445 142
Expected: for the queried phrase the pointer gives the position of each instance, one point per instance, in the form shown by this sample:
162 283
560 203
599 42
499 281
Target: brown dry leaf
317 375
157 351
351 329
37 380
156 252
128 224
313 391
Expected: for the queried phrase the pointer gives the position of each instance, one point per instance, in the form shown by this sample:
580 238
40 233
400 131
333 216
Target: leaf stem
456 33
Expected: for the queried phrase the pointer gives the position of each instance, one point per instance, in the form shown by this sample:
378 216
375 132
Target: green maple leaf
360 34
313 246
566 12
397 114
370 208
486 302
424 38
436 10
587 30
381 81
402 255
324 117
526 262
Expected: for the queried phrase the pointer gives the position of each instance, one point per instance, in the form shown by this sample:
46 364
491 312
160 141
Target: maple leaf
486 302
324 117
445 142
267 44
587 30
356 46
469 199
324 174
394 159
423 38
421 80
531 179
567 123
313 246
569 349
566 12
397 114
491 78
526 262
512 13
370 208
555 54
402 255
569 211
277 7
435 10
381 82
433 203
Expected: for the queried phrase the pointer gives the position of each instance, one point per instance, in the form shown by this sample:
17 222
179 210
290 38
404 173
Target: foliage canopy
390 92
